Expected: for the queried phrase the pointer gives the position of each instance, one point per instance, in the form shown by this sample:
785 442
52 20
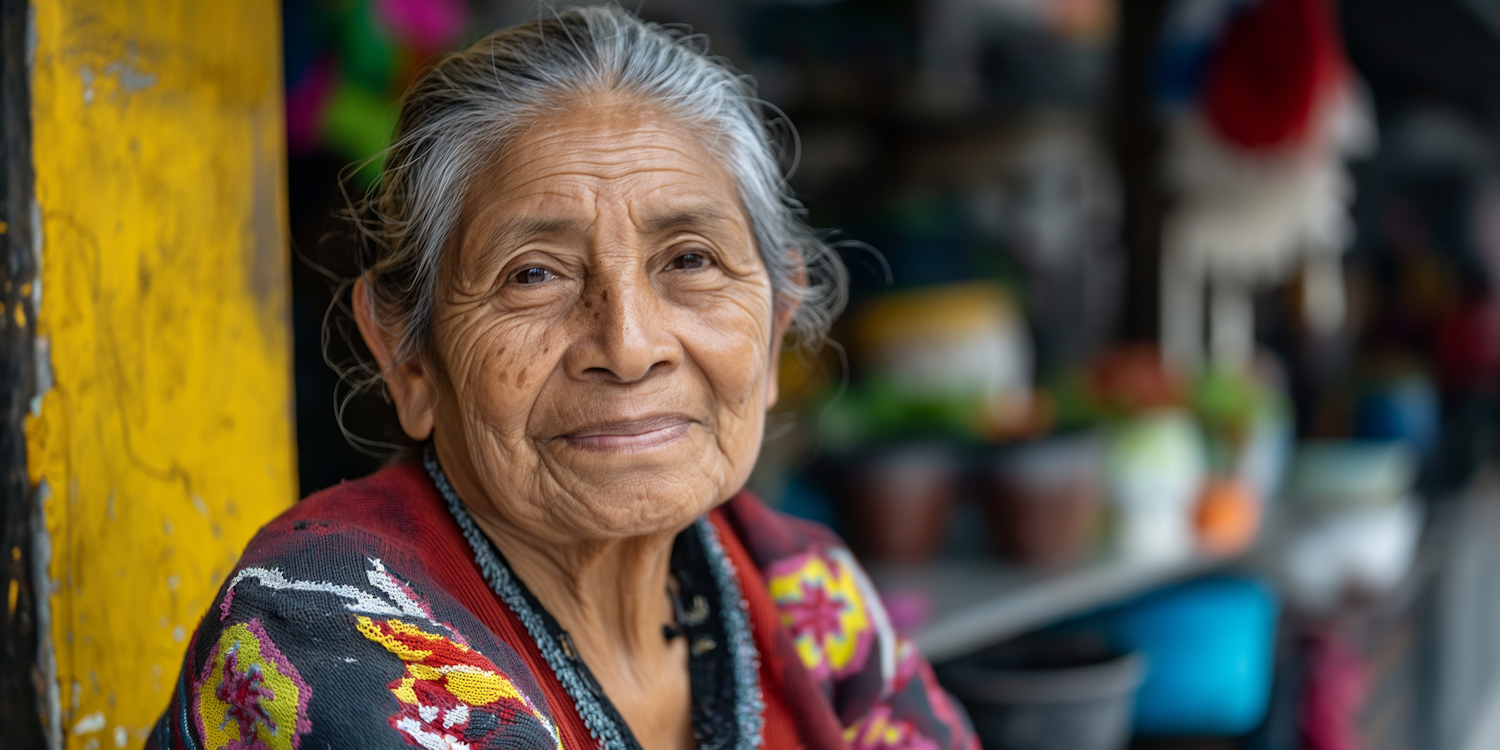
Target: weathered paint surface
165 439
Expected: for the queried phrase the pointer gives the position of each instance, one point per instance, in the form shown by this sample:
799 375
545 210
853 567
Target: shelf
979 603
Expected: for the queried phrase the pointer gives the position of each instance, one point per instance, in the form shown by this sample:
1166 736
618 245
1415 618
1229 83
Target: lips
630 436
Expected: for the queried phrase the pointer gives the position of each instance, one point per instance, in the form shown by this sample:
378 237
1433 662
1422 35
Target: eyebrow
692 217
519 230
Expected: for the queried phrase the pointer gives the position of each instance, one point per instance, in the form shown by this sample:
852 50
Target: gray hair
472 103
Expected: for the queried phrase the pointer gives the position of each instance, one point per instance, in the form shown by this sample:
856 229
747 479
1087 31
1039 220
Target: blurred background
1165 408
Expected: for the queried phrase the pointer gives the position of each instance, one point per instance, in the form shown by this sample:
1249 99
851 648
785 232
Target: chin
640 492
642 500
617 515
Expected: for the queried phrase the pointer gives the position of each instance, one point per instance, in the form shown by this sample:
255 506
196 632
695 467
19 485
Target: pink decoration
305 102
430 25
1337 684
908 609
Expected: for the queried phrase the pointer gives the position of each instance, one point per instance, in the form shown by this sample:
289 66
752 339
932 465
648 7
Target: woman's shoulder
769 534
828 606
395 513
331 630
385 505
346 535
877 683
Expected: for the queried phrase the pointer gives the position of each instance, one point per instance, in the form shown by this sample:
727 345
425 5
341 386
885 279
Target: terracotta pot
896 503
1043 500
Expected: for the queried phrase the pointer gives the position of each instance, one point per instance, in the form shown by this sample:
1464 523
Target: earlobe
773 376
412 390
786 311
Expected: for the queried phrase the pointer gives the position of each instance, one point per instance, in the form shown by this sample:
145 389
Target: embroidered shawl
360 618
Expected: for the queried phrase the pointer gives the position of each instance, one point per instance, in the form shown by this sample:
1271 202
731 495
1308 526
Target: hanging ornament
1262 112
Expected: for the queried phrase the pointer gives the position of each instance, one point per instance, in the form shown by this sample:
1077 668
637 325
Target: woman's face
605 331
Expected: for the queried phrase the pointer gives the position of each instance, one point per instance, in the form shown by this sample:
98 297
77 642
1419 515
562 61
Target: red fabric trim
780 731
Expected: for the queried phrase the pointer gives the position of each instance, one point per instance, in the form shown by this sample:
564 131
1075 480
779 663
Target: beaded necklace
723 663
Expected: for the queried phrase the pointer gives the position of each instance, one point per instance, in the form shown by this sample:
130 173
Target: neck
609 595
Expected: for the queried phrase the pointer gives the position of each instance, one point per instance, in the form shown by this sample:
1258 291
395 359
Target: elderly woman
578 268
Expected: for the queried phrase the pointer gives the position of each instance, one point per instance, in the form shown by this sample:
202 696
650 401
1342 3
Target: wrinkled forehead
617 157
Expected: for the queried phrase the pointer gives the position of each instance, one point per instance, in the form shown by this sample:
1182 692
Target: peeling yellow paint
158 154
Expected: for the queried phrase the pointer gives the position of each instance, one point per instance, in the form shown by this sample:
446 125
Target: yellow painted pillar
164 439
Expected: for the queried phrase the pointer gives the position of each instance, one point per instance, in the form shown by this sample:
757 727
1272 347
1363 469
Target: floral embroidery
243 693
824 607
878 730
452 697
249 695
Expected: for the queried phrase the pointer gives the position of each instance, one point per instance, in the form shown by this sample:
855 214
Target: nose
627 338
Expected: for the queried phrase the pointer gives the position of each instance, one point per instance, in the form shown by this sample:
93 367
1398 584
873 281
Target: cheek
732 346
497 366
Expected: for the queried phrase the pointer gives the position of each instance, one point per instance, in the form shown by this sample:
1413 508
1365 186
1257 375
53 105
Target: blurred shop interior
1165 409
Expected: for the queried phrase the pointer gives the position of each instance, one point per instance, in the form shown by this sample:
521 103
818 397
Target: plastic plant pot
1048 696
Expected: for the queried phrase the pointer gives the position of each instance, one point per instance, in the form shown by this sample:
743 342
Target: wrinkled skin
601 362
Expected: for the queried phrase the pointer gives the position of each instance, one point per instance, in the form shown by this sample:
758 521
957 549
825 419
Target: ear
410 386
784 311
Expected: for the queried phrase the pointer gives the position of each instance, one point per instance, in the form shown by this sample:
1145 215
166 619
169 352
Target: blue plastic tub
1210 651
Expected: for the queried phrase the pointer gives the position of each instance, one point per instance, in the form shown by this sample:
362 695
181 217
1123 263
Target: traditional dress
376 615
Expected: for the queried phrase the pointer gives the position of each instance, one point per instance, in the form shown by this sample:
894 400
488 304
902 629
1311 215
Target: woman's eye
532 275
688 262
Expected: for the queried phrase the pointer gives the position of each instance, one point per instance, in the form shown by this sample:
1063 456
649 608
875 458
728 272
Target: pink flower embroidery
822 603
249 696
816 612
243 693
